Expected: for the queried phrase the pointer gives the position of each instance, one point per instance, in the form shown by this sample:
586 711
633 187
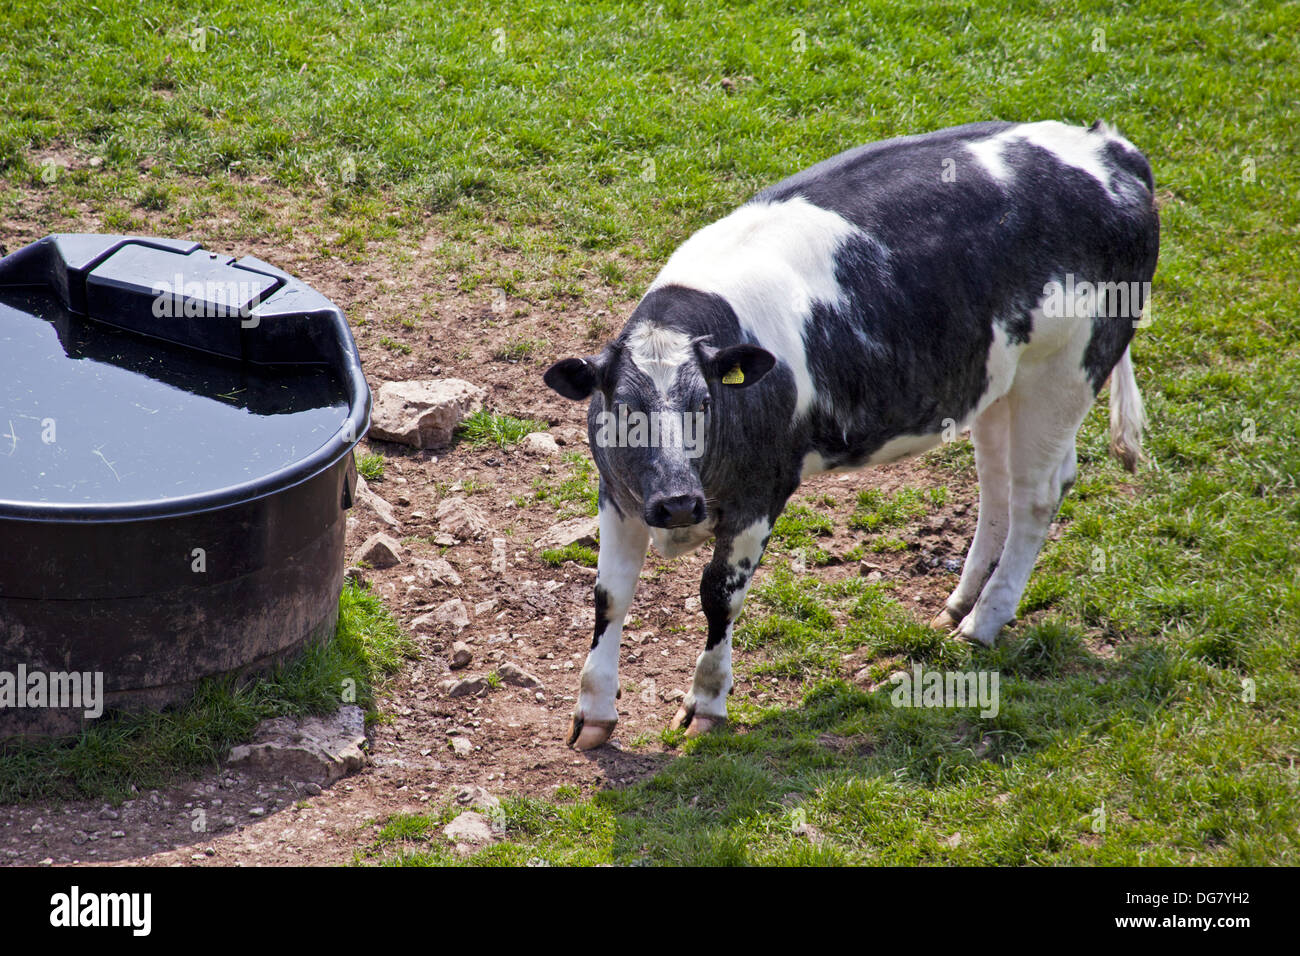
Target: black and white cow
988 277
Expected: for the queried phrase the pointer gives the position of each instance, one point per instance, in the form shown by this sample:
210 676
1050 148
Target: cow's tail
1127 417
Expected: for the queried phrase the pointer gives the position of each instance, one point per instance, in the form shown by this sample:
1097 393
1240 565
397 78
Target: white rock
470 827
540 444
514 674
461 655
458 517
380 551
313 749
574 531
368 497
452 612
423 414
436 571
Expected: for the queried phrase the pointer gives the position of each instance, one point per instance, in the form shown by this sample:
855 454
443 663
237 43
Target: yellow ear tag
734 377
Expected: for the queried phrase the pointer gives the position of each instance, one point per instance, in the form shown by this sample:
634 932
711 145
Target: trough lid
131 375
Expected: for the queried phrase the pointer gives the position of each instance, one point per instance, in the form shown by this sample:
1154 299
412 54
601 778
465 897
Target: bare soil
532 614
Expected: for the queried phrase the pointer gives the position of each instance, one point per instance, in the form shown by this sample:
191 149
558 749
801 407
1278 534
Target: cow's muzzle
677 511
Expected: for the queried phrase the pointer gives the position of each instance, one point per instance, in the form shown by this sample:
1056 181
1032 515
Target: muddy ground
532 614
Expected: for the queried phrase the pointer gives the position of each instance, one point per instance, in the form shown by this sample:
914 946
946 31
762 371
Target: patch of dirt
528 613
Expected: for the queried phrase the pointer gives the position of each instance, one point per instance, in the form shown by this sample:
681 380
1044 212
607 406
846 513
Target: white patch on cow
1074 146
813 464
674 542
1000 366
659 352
713 681
748 545
988 152
622 553
771 262
904 446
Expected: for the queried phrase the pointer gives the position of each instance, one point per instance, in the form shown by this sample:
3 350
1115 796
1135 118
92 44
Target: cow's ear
737 366
577 378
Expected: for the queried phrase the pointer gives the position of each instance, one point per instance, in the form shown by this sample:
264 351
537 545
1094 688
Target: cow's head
653 393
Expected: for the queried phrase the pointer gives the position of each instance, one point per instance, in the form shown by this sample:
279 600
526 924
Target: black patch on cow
602 614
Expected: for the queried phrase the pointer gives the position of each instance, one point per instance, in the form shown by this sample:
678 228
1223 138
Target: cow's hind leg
1047 405
991 434
623 543
722 594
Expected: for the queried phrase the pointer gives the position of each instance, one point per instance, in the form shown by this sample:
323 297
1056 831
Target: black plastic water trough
176 436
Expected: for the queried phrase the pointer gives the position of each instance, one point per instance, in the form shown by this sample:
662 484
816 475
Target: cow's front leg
722 593
623 543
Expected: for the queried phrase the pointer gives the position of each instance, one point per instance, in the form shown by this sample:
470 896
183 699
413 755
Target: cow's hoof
945 620
701 725
978 633
695 724
589 734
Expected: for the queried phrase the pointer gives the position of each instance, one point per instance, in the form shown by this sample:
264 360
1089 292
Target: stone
581 531
435 571
470 827
458 517
423 414
452 612
469 687
472 795
461 655
380 551
312 749
540 444
517 676
461 746
371 499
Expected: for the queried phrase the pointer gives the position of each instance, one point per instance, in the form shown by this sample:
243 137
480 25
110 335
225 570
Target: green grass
371 467
566 157
876 511
146 751
484 428
578 494
576 553
518 350
796 532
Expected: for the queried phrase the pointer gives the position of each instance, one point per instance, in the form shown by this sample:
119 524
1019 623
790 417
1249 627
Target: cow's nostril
677 511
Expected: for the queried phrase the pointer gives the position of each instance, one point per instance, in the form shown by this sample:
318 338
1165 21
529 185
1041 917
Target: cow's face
652 413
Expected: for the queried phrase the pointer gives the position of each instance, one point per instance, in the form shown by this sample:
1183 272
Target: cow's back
885 275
